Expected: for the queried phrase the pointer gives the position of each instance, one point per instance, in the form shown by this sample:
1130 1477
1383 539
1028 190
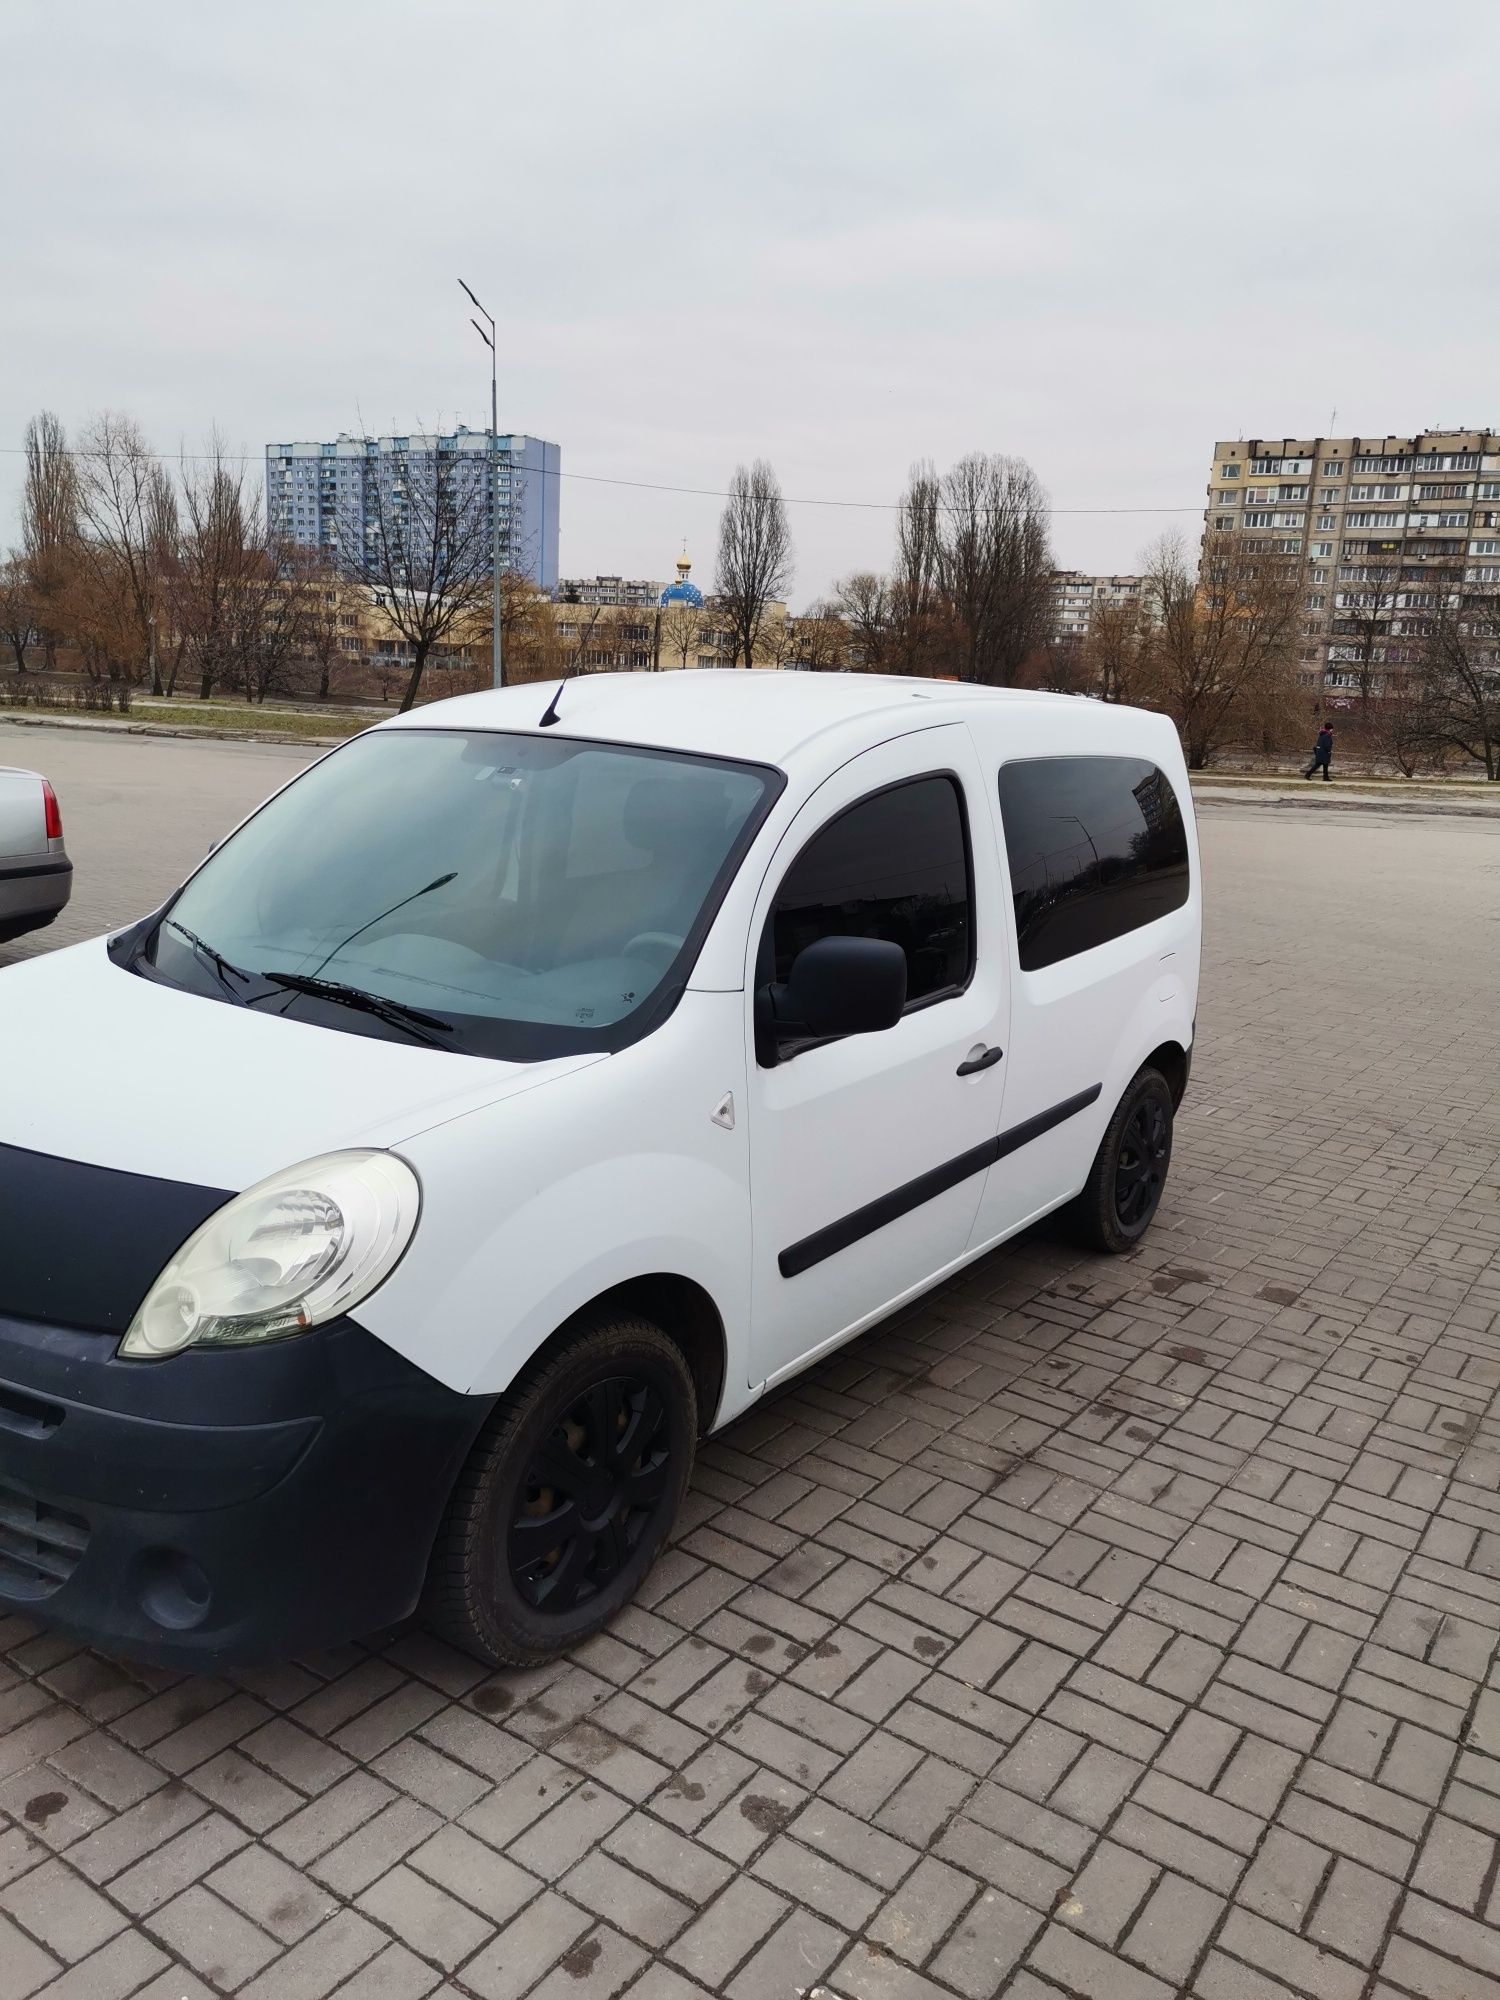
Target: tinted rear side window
1097 848
895 866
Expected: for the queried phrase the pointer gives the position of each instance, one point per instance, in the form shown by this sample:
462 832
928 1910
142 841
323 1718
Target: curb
1349 802
193 732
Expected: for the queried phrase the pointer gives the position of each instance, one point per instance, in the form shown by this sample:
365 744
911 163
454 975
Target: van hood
106 1068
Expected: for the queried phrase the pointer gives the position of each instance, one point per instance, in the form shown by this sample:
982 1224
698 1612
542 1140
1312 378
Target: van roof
762 715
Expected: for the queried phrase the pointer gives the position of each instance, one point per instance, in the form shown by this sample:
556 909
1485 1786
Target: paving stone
24 1966
1455 1864
1298 1963
117 1969
177 1864
650 1914
212 1938
514 1962
1354 1911
792 1959
1173 1926
393 1974
1083 1968
273 1894
428 1919
988 1941
488 1882
733 1926
912 1921
1106 1896
320 1962
871 1974
795 1871
60 1910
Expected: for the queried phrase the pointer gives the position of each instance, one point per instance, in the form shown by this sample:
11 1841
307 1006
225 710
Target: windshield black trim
485 1035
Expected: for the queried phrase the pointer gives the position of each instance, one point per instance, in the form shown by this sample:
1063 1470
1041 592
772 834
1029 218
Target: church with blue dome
682 592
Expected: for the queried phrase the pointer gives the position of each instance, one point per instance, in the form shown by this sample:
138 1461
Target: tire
541 1544
1125 1183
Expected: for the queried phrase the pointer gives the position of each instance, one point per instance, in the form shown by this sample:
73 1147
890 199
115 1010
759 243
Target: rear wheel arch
1170 1061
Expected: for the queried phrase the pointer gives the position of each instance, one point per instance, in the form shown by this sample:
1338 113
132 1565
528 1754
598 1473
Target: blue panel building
323 495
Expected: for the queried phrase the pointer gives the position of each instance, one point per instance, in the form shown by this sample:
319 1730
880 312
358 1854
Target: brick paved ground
1117 1629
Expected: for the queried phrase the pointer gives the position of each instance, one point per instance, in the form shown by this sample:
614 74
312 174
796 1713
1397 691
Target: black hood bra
81 1246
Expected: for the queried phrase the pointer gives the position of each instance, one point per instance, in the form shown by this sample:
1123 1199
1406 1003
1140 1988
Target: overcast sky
841 234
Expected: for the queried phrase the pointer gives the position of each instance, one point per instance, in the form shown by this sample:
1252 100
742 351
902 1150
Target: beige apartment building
1376 522
1076 594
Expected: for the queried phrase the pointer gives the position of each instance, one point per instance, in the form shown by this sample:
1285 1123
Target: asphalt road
138 813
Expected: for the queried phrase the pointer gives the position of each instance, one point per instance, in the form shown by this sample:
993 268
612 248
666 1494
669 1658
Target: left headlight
288 1253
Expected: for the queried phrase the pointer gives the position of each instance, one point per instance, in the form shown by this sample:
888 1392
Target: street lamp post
497 668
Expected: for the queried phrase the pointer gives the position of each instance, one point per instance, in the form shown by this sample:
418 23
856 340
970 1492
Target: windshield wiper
396 1012
221 967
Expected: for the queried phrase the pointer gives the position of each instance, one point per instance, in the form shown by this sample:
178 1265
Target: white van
505 1105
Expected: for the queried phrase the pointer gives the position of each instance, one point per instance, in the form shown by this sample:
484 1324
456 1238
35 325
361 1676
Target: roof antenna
551 716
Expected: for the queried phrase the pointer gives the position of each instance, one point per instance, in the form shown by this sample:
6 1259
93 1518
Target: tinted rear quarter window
1097 847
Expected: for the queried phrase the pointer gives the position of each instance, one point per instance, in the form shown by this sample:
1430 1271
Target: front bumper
220 1509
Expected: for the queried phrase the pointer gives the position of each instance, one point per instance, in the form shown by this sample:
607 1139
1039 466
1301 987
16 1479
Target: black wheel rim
591 1489
1141 1170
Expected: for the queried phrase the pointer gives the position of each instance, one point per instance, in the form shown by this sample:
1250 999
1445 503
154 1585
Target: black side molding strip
861 1222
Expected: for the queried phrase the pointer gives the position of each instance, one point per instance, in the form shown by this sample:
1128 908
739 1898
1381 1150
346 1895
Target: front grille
40 1545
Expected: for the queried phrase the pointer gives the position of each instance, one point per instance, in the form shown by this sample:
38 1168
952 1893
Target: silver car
36 876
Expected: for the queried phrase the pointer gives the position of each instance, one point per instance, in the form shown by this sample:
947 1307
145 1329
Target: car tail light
54 812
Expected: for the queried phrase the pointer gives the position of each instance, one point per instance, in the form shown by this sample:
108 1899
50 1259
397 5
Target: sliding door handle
981 1059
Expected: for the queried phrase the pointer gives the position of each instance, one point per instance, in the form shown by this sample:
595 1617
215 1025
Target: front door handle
985 1059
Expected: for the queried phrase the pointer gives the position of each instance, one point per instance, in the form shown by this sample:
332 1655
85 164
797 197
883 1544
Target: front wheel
567 1496
1125 1183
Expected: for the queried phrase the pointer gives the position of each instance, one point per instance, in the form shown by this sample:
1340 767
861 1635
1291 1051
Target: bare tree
921 634
1362 618
49 526
1399 724
1460 673
268 631
533 648
821 639
864 600
18 622
128 510
1219 653
755 554
421 544
995 563
1112 655
325 621
96 615
223 550
681 633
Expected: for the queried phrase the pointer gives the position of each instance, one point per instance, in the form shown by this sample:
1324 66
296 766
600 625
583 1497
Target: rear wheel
1125 1183
567 1496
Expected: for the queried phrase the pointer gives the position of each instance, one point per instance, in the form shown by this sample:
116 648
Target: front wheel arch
684 1312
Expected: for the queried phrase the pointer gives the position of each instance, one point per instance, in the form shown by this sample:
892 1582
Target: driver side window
894 866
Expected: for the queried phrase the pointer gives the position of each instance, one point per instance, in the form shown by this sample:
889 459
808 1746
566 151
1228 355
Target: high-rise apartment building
1075 595
1378 525
322 496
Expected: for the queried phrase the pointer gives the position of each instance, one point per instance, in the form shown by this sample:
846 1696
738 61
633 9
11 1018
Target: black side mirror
841 986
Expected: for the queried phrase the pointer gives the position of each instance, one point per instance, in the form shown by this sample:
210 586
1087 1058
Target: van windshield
504 895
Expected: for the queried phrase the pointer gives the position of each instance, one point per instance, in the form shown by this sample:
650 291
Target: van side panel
1088 1021
532 1210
